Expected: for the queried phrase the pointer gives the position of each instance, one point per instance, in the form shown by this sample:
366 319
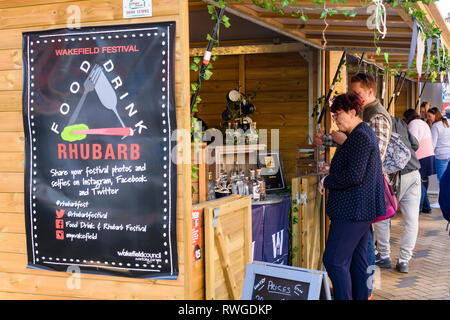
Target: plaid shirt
380 126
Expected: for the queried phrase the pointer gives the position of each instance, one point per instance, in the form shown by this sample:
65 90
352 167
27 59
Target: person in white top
440 136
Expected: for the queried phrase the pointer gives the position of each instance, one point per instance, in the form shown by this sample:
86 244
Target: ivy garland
436 67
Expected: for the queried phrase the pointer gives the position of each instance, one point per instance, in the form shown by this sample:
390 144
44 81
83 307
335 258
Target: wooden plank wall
16 281
280 81
403 102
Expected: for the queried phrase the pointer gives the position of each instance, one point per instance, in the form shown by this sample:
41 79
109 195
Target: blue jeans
441 166
424 201
345 259
371 254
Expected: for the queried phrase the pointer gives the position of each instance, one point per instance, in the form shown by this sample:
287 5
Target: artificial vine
330 8
205 74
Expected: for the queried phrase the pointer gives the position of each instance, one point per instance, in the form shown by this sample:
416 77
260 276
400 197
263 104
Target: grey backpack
397 155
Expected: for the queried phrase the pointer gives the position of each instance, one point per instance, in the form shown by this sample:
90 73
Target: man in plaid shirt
376 116
365 86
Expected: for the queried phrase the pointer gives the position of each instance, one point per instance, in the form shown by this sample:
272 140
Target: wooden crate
228 246
308 223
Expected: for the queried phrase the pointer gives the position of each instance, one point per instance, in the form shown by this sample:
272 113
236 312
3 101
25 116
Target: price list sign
100 174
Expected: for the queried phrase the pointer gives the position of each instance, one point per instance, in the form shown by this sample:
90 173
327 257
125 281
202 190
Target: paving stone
429 271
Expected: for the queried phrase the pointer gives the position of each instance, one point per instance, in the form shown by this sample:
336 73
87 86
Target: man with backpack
407 184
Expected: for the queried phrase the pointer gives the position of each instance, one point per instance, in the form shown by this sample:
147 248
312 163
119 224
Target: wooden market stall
289 72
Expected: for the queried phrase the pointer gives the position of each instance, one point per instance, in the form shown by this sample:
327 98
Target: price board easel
268 281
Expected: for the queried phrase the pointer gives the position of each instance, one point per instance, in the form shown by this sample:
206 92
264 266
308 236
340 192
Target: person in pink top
421 131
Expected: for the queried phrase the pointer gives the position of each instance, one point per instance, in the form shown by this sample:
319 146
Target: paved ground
429 269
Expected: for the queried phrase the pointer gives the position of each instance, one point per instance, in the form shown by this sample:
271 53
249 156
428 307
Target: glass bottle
246 187
234 189
211 187
254 186
262 185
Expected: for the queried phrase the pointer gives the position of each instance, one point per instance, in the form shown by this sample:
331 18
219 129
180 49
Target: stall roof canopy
338 31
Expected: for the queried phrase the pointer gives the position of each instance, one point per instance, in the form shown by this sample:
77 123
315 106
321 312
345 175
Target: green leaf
304 18
323 15
211 9
226 21
194 67
332 12
284 3
353 14
197 60
386 57
207 75
378 51
208 37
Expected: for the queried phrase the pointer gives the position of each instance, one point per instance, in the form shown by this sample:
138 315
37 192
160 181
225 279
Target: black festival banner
100 171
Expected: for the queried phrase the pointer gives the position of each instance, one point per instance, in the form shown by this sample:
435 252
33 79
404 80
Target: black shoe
426 211
383 263
402 267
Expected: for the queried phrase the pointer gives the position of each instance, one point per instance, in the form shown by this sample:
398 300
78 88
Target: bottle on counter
253 135
254 186
211 187
262 185
234 189
246 187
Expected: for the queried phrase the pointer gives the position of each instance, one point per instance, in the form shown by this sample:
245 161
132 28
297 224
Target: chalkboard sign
272 170
266 281
100 174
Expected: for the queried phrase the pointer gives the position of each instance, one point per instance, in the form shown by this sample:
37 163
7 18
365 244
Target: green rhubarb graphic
67 134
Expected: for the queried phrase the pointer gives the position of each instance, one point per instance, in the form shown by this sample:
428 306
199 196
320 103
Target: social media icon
59 234
59 223
59 213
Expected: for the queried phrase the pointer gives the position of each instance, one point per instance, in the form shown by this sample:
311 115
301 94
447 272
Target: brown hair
424 104
410 115
347 102
438 116
367 80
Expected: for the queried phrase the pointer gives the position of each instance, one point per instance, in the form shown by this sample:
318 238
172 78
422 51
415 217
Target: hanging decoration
380 17
412 48
420 52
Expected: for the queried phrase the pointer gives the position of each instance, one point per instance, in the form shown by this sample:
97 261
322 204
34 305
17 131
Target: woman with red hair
356 198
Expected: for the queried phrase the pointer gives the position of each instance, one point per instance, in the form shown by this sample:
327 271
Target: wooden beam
250 49
337 17
198 6
366 38
367 45
434 15
271 24
309 4
344 30
402 14
204 44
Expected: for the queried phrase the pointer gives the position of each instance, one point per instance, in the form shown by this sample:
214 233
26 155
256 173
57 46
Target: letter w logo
277 242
